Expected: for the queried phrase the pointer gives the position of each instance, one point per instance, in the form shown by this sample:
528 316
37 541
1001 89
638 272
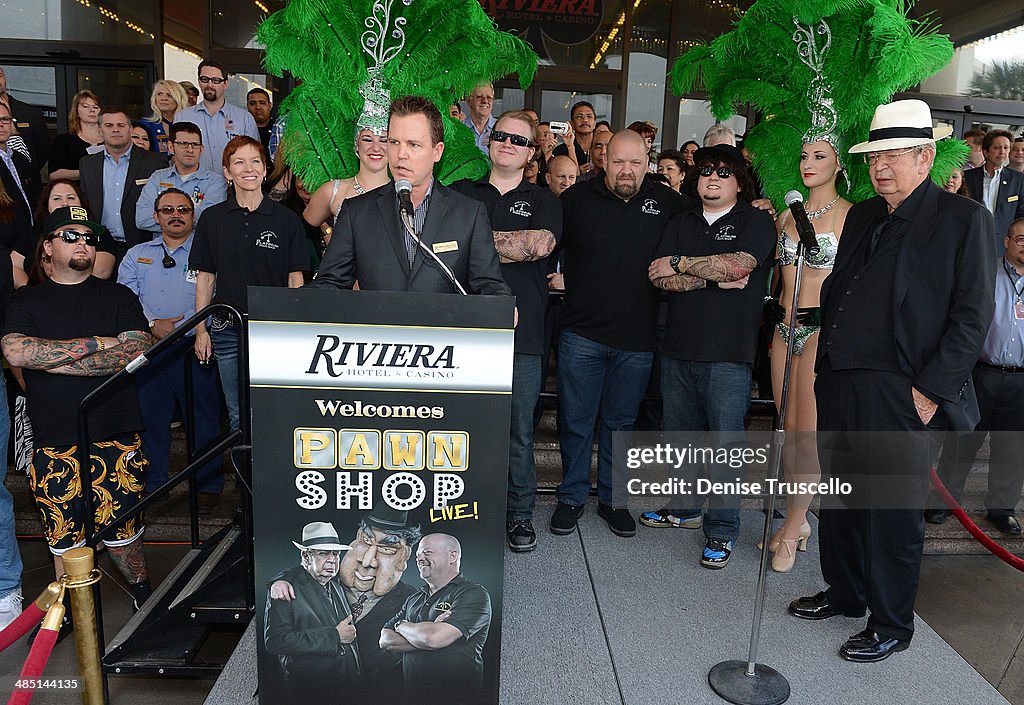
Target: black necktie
876 235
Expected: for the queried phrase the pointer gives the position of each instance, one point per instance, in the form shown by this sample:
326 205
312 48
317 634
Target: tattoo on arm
680 283
720 268
109 361
42 354
523 245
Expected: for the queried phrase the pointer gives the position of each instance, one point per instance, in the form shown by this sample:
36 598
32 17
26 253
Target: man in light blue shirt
203 187
157 271
115 128
480 119
219 121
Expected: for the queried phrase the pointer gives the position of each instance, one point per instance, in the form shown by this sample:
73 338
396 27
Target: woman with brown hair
83 133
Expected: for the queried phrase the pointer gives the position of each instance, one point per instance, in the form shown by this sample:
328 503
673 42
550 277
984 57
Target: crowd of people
660 261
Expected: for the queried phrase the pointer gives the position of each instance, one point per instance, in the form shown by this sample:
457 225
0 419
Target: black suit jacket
302 634
368 245
943 294
140 166
29 179
31 128
1009 202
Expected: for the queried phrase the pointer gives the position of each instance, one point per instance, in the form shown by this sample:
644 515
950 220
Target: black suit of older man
907 307
368 245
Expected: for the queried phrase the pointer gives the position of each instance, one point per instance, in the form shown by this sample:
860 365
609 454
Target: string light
111 15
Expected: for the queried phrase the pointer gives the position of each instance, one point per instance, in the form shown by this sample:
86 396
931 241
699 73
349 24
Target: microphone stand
748 682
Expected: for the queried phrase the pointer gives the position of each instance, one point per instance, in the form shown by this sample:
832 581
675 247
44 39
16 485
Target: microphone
804 229
404 189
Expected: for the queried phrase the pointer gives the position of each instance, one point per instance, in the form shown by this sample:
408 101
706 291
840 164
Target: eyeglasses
72 236
723 172
1019 240
517 140
887 158
6 120
212 79
188 145
167 210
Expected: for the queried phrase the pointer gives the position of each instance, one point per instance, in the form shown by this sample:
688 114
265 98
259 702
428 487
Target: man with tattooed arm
69 335
713 262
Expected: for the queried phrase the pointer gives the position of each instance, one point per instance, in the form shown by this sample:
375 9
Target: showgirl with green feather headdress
353 56
816 70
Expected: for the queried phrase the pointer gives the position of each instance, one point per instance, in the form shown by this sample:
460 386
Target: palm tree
1003 79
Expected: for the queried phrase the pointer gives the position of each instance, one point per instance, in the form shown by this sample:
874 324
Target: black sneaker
563 521
521 536
140 592
620 521
716 553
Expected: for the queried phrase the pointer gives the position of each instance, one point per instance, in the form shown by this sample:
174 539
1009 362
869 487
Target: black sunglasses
167 210
72 236
723 172
517 140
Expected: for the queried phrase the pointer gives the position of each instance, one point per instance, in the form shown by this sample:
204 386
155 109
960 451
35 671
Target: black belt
1002 368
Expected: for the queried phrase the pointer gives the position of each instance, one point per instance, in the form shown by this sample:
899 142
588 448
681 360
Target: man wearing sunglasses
714 263
204 188
218 120
158 273
69 335
527 221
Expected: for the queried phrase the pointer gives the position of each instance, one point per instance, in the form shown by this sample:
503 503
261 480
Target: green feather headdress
353 56
874 51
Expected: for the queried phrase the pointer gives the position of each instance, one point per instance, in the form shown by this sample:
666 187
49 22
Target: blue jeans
522 474
161 386
225 349
707 396
10 556
595 379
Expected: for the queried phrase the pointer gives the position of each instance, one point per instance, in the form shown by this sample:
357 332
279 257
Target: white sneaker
10 607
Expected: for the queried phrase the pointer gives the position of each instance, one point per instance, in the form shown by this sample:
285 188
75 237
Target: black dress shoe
817 607
1007 524
869 646
565 518
936 516
521 535
620 521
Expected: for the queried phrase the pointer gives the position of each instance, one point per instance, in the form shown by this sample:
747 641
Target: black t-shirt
712 324
457 669
248 248
526 207
582 156
54 311
66 151
609 245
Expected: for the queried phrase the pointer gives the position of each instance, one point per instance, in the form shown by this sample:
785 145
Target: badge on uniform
23 125
191 275
141 182
1018 310
1011 199
144 260
450 246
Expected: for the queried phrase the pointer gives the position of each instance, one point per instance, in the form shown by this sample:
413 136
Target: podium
383 417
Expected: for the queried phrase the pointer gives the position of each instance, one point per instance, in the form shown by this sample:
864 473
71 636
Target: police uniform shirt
608 245
165 292
460 665
526 207
712 324
248 248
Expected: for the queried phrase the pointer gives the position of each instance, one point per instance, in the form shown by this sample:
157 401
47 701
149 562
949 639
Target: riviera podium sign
380 454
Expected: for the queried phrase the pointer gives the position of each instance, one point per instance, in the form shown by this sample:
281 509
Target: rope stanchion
30 616
80 577
42 647
984 539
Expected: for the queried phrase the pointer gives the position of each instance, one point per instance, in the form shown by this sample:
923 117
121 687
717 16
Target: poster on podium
380 458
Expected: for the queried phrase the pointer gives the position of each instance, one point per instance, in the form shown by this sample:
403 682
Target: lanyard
1013 285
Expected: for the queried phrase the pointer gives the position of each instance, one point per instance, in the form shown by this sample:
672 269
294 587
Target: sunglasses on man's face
72 236
517 140
167 210
723 172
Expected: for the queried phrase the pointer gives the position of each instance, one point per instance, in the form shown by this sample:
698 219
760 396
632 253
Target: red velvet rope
34 664
21 626
973 528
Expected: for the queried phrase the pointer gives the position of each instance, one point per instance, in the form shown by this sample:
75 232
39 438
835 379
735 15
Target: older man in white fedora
904 315
313 635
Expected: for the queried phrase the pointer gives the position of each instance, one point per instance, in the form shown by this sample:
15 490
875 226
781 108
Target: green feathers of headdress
439 49
875 51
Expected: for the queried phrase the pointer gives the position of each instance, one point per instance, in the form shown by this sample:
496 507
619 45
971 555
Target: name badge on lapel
23 125
450 246
1011 199
141 182
144 260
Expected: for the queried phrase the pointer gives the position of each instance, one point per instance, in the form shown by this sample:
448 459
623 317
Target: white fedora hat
901 125
320 536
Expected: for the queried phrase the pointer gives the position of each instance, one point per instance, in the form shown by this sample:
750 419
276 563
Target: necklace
814 215
356 186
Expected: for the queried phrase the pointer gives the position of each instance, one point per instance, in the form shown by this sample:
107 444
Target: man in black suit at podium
372 245
904 314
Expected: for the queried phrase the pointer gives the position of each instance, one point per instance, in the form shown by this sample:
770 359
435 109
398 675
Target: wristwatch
673 262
